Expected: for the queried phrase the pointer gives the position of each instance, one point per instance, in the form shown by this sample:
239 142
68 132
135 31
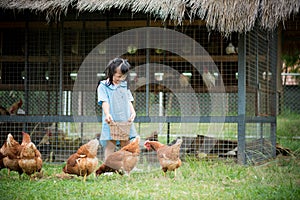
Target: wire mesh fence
179 90
289 97
260 138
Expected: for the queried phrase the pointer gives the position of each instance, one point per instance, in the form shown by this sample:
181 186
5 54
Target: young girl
116 101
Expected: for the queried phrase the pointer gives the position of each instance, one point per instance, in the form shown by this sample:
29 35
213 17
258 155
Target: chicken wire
289 97
260 81
48 59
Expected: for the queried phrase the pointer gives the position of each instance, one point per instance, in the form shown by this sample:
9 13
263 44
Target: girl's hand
108 118
132 117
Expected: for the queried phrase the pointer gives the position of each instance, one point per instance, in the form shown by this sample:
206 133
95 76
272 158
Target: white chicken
183 81
208 78
230 49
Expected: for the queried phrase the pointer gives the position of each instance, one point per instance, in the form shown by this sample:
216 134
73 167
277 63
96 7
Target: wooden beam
12 25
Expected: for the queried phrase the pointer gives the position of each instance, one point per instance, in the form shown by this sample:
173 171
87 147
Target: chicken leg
84 177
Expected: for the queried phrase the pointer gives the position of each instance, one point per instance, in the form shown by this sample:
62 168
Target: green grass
288 130
278 179
196 179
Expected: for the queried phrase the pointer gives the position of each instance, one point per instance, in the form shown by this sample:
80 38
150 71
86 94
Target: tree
292 65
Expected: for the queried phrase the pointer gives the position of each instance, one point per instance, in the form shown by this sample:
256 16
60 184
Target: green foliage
292 63
290 60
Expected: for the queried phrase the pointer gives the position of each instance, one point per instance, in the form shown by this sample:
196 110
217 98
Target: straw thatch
225 16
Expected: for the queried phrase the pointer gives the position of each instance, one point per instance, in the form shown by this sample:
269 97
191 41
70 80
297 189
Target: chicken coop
216 91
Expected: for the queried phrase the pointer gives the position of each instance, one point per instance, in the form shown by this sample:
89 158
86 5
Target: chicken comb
26 138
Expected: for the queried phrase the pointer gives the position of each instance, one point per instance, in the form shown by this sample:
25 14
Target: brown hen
84 161
30 158
11 151
168 156
122 161
1 160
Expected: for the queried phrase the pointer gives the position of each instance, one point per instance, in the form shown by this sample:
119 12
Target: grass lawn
196 179
278 179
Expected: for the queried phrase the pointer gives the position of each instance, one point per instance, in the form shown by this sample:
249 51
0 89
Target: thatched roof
225 16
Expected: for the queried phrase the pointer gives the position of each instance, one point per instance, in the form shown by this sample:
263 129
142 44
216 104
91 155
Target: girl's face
118 77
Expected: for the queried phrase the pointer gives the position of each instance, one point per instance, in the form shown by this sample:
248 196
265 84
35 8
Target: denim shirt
118 98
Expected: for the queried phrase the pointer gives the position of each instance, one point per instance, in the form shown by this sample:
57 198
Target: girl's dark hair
110 69
113 65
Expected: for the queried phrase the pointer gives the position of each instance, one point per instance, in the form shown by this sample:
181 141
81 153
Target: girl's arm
132 112
105 107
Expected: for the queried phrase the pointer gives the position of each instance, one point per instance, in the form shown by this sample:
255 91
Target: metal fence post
242 99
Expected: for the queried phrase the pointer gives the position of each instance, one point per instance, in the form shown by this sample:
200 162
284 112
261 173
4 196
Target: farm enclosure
54 68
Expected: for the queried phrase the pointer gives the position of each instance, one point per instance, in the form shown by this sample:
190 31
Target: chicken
1 161
45 140
11 151
230 49
13 109
122 161
208 78
153 136
168 156
30 158
84 161
184 81
44 146
3 111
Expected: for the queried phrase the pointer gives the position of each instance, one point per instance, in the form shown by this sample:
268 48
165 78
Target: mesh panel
290 93
260 93
290 96
55 68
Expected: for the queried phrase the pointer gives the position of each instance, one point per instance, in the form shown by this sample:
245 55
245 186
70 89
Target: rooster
168 156
11 151
84 161
30 158
122 161
45 140
13 109
208 78
44 146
